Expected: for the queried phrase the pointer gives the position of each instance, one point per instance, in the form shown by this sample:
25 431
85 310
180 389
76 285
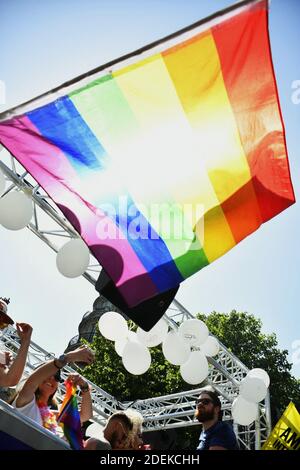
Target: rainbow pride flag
69 418
164 159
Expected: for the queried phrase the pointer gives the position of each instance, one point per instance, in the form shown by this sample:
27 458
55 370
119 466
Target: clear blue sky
44 43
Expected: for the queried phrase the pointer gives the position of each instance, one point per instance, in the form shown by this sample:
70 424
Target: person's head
3 304
5 319
208 407
134 438
117 429
47 389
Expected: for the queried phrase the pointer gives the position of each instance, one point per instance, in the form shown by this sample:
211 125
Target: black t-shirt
220 434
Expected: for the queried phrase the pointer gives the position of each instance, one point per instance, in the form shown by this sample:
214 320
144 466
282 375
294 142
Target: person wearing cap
215 435
35 398
11 370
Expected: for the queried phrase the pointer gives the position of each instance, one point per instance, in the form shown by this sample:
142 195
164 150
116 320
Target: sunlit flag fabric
69 418
165 159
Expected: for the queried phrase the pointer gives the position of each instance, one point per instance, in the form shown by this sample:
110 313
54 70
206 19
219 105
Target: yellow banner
286 433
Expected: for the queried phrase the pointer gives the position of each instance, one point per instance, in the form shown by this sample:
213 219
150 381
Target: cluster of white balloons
187 347
253 388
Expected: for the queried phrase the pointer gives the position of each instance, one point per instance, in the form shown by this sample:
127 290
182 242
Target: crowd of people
34 397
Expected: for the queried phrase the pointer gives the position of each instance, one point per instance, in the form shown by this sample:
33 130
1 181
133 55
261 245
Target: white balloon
261 374
193 331
244 412
210 347
253 389
155 336
121 343
136 358
15 210
73 258
195 370
2 183
94 430
113 326
175 349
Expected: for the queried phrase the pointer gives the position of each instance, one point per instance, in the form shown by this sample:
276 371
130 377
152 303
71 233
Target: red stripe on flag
245 56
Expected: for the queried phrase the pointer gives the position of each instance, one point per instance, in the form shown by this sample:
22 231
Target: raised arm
11 376
82 354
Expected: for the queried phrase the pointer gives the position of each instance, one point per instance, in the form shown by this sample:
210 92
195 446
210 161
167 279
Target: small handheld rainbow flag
69 418
164 159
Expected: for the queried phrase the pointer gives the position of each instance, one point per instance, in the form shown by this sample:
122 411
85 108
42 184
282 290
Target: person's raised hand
82 354
24 331
77 380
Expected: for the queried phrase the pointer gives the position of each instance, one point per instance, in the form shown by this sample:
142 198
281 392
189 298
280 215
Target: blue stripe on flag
61 123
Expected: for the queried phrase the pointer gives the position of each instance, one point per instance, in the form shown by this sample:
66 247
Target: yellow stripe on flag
169 155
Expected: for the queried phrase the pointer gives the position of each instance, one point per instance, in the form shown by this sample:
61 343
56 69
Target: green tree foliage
239 332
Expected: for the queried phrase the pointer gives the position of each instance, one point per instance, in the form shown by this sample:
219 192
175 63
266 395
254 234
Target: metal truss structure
172 411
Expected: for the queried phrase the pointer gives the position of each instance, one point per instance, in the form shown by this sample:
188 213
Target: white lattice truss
171 411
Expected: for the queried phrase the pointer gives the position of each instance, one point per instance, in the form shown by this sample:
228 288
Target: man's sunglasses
203 401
